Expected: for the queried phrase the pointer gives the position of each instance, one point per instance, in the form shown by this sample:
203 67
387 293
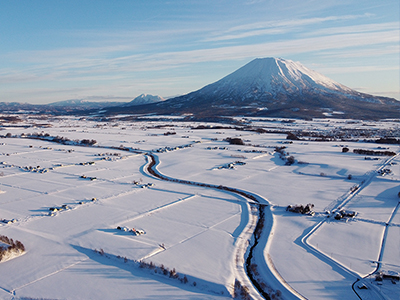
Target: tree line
13 246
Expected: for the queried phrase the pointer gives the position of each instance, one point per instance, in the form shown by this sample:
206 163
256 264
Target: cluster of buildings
87 177
343 214
143 185
133 230
36 169
301 209
167 149
5 221
232 165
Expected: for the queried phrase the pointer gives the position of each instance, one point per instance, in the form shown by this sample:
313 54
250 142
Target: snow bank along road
256 201
260 228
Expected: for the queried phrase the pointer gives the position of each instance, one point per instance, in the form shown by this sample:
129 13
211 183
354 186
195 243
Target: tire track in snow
159 208
48 275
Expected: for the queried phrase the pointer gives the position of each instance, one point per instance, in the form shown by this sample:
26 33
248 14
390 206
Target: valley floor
188 238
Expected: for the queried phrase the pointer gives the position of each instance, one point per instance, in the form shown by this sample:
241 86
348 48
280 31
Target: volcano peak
277 87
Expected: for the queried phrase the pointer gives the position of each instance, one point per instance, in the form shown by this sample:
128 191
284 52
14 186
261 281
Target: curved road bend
151 169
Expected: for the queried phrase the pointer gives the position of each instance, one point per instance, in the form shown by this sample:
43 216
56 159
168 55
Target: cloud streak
169 53
94 62
276 27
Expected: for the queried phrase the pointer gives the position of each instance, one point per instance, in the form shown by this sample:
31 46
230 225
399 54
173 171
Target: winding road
261 203
263 210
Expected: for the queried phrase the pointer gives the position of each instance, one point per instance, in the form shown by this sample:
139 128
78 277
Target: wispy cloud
128 61
104 63
276 27
295 22
372 51
354 29
251 2
357 69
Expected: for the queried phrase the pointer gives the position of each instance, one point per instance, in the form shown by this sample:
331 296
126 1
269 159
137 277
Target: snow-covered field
202 233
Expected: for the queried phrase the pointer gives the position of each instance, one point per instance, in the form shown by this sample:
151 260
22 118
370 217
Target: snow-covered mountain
80 106
276 87
270 79
271 76
71 102
145 99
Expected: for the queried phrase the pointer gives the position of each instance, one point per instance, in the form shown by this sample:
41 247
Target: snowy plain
202 232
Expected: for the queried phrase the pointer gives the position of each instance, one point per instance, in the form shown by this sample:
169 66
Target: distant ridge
145 99
265 87
274 87
83 104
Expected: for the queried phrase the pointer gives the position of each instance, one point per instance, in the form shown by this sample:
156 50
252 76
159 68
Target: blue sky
100 50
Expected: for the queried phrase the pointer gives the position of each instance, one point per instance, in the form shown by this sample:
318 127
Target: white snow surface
273 75
146 99
201 232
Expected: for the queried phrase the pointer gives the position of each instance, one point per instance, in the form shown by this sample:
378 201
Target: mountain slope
269 77
276 87
145 99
